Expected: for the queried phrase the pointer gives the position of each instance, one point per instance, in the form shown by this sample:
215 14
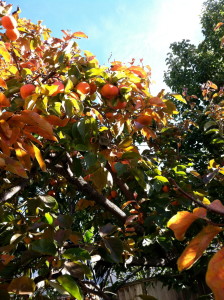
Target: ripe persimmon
27 90
12 34
120 105
9 22
83 87
109 91
109 115
53 182
60 88
4 101
51 193
113 194
165 188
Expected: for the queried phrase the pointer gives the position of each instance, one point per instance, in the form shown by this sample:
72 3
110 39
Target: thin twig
199 203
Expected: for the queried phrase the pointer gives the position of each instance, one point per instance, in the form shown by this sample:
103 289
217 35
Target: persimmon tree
79 199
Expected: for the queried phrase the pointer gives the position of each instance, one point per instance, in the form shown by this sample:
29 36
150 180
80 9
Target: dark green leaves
44 246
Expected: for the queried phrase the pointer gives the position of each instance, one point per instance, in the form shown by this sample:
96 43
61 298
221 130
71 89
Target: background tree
190 66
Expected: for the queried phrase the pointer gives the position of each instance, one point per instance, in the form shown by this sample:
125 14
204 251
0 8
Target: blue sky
125 29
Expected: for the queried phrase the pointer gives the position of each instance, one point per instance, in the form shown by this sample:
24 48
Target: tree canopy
190 66
98 176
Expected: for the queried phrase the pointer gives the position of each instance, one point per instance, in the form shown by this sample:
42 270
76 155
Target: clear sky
122 29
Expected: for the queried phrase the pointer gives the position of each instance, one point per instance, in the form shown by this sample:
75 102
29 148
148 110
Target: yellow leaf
180 222
4 52
148 133
197 246
79 34
39 158
215 274
179 98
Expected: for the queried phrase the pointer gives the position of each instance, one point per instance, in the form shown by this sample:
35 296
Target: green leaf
76 254
139 176
209 124
49 201
44 246
49 218
161 178
130 155
99 178
64 221
70 285
115 248
69 86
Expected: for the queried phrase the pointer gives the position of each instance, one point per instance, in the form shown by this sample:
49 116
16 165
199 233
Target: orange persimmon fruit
27 90
9 22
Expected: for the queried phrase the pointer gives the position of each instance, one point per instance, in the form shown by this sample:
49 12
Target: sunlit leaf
197 246
180 222
179 98
79 34
71 286
39 158
4 52
3 83
215 274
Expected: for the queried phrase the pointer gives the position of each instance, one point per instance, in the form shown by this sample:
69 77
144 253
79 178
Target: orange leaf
180 222
3 83
84 203
147 132
14 166
127 203
15 135
6 258
215 274
5 128
138 71
79 34
218 25
4 102
39 158
94 113
5 147
41 132
23 157
32 118
56 121
156 101
197 246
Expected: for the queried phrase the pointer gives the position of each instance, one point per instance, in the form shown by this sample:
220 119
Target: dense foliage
95 171
190 66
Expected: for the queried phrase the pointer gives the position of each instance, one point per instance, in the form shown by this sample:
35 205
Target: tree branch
87 189
199 203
